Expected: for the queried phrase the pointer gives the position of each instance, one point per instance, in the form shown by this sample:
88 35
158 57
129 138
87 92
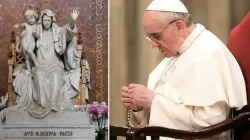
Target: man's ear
180 25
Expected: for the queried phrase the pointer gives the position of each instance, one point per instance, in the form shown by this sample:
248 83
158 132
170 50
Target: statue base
70 125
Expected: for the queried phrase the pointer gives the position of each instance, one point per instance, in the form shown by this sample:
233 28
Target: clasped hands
136 97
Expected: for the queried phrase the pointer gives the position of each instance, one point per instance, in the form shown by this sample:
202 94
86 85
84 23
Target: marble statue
28 38
46 83
54 78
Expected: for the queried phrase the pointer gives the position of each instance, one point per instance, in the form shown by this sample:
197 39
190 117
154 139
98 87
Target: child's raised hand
16 26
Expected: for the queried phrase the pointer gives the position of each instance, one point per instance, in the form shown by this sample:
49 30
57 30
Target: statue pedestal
70 125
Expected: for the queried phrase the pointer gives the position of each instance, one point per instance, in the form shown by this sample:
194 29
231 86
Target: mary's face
47 22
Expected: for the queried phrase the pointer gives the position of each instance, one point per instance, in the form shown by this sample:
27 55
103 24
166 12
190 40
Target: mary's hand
16 26
75 13
35 34
24 33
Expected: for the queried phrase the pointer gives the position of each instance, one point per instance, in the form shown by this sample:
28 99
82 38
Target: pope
195 85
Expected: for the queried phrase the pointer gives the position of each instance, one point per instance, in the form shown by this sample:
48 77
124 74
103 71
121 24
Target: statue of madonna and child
50 77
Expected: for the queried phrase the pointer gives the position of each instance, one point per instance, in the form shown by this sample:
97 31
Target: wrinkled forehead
154 17
152 21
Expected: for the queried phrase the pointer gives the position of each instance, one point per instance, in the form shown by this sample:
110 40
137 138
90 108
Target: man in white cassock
198 82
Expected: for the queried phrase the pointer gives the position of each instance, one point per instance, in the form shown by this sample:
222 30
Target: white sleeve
207 116
164 112
139 118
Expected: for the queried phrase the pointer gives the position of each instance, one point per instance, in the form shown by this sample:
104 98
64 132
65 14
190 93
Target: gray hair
171 16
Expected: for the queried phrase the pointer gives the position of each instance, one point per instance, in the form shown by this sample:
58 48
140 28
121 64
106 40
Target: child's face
31 19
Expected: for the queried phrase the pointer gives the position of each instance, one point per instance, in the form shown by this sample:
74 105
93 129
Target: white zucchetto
167 5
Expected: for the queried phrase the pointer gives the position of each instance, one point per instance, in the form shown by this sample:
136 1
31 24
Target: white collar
191 38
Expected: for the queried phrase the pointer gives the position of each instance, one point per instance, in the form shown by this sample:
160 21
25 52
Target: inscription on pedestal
48 133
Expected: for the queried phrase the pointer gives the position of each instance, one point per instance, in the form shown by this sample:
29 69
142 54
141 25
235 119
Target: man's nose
154 44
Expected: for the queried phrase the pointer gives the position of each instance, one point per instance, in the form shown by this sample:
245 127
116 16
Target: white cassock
199 89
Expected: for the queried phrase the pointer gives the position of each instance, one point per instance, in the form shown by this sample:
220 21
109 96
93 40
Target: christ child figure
28 38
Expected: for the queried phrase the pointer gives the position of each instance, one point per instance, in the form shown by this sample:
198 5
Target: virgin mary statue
55 81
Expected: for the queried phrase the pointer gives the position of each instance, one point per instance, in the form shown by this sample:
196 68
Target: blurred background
131 56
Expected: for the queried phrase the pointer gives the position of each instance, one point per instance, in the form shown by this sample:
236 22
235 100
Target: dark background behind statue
11 12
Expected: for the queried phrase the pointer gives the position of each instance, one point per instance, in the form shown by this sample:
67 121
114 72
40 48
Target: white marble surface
56 126
19 117
50 132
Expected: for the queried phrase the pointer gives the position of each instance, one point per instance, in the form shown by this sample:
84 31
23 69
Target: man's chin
167 55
